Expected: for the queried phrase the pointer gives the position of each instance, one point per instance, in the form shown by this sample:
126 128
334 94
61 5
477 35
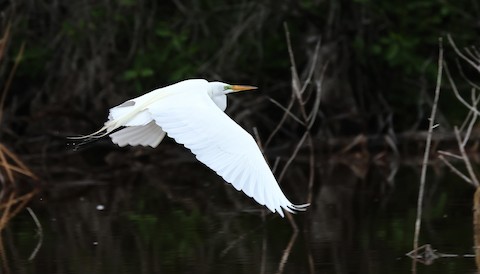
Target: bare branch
459 53
292 157
312 68
10 78
427 148
473 120
282 121
465 76
471 173
457 94
446 153
287 111
295 79
318 95
39 232
455 170
288 249
472 55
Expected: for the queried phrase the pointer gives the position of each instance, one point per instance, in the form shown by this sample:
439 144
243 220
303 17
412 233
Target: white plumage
191 112
147 135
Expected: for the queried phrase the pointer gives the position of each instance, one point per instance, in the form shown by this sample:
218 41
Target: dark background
107 209
83 57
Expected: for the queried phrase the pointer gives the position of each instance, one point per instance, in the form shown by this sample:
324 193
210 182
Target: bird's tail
124 115
109 127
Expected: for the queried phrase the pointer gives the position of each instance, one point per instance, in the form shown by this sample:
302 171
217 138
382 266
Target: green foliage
388 28
167 56
127 3
398 46
407 33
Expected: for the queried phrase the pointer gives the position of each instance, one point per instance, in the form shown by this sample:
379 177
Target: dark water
181 218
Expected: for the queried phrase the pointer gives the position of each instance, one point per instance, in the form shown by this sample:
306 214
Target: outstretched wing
221 144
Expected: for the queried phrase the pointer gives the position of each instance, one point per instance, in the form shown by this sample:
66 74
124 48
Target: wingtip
291 208
302 207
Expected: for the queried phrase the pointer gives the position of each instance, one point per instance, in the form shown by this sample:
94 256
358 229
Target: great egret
192 113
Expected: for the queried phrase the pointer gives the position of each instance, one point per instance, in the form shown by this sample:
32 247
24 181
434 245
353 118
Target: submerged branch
427 151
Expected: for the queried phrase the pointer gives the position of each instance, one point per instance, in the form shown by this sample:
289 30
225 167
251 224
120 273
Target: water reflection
151 220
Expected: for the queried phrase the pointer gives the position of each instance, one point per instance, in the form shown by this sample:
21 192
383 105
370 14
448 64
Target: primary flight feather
192 113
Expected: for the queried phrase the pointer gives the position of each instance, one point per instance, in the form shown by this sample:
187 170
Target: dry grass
12 169
11 201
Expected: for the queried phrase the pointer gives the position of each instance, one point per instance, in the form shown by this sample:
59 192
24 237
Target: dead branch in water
463 137
469 123
426 156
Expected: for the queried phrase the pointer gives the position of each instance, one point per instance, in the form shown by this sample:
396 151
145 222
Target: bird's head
219 88
218 91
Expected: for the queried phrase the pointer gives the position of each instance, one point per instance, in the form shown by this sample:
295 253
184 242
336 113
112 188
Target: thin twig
293 67
17 161
312 68
4 40
462 73
39 233
288 249
468 165
459 53
241 238
476 53
316 104
264 246
427 151
457 94
258 140
10 78
455 170
466 121
275 164
311 175
292 157
446 153
282 121
15 200
287 111
22 202
473 120
473 52
6 165
6 213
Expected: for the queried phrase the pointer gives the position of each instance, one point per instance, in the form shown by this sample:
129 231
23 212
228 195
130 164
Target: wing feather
221 144
260 193
147 135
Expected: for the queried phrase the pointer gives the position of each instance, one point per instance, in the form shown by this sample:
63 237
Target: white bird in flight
192 113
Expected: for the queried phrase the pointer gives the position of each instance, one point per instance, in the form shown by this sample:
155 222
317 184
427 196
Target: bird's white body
192 113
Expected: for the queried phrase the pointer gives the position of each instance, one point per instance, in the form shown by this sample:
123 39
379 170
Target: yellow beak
237 88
